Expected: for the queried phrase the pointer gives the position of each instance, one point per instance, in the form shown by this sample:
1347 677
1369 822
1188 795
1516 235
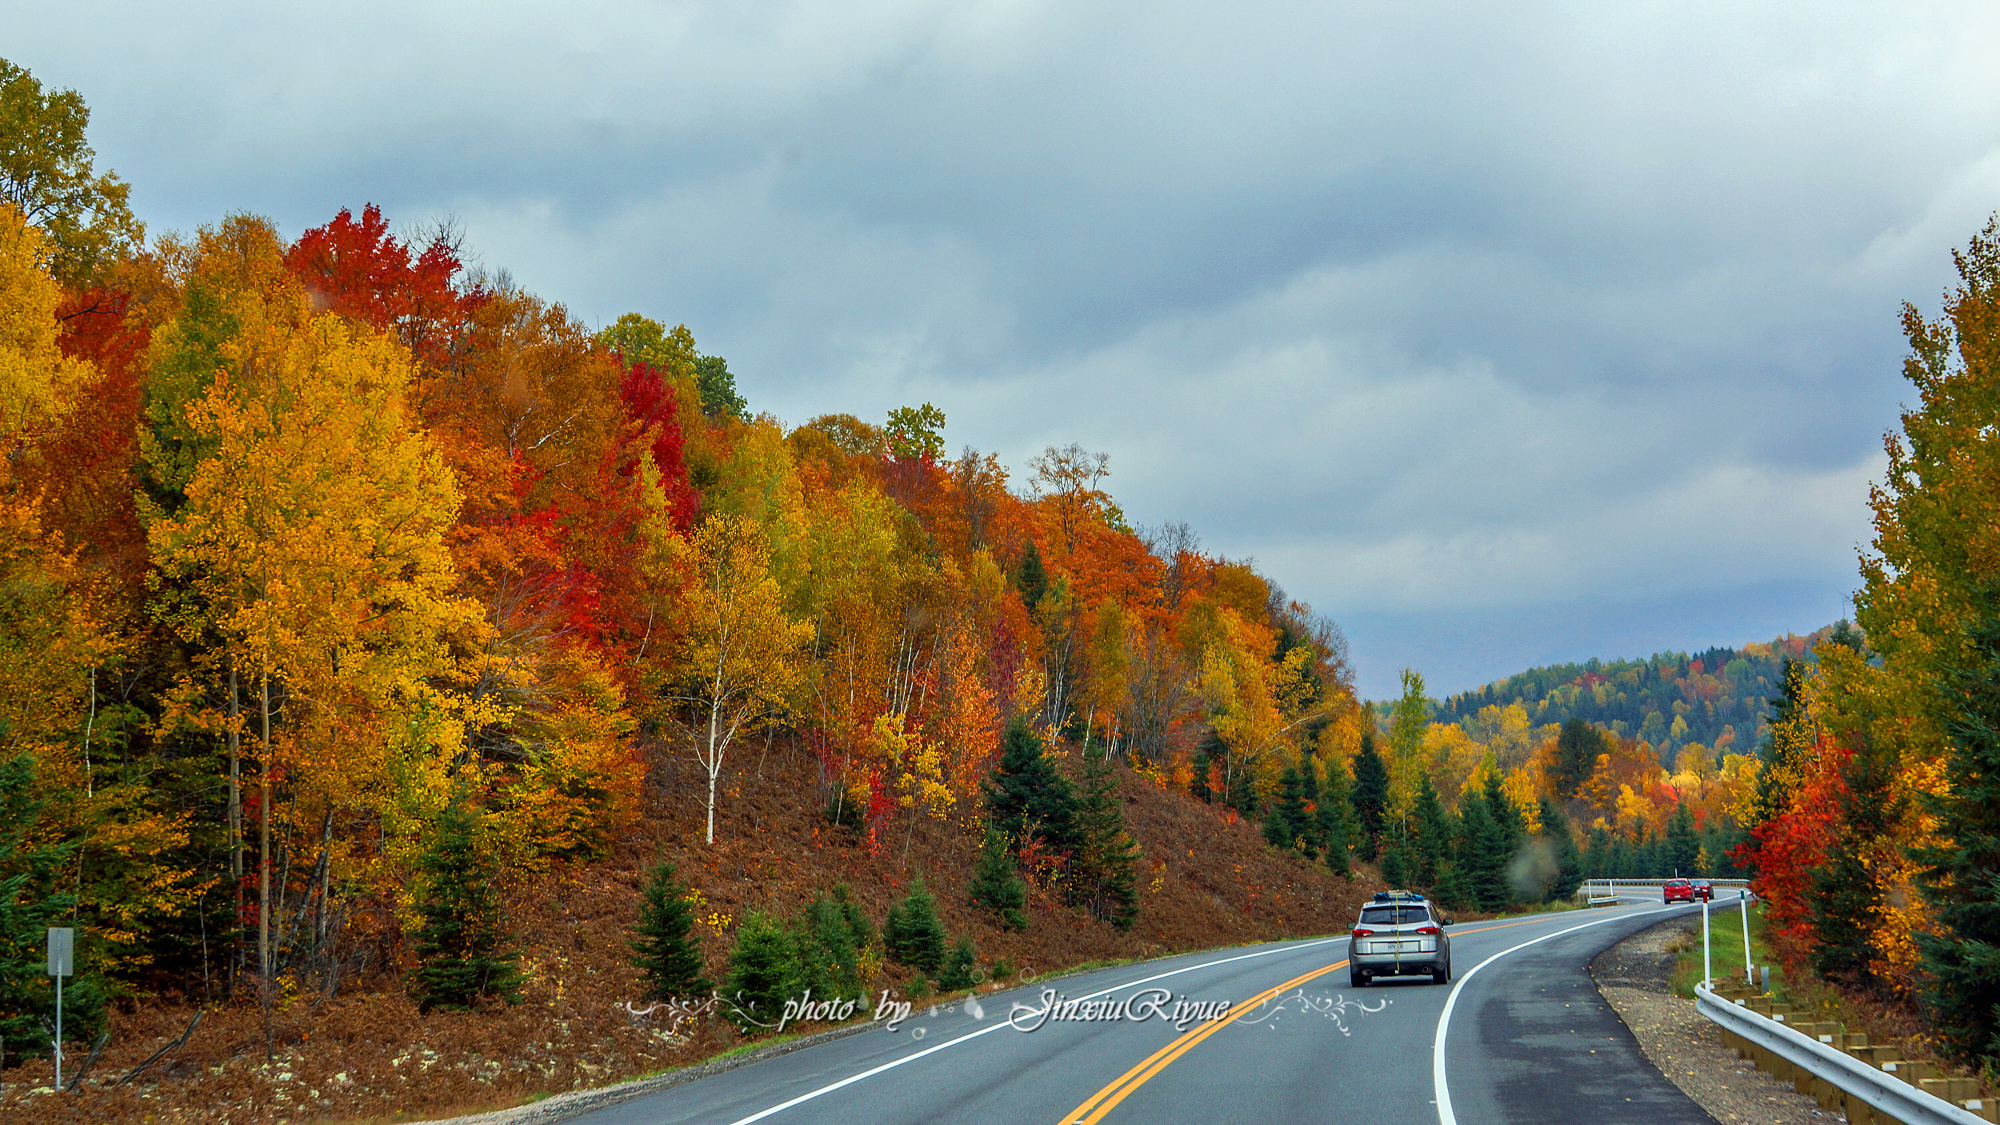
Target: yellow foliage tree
313 533
38 384
743 659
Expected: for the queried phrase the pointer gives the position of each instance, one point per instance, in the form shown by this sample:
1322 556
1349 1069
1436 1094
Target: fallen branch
77 1082
159 1054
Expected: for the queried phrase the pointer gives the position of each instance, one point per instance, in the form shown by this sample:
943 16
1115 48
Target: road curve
1520 1035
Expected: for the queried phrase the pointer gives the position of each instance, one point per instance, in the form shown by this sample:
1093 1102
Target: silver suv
1399 934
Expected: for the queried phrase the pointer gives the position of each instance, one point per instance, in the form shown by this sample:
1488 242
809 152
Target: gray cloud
1458 319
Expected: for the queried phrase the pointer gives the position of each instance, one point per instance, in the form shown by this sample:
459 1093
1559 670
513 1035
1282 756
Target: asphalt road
1519 1035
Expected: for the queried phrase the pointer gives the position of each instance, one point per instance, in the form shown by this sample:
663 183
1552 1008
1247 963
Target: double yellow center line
1102 1102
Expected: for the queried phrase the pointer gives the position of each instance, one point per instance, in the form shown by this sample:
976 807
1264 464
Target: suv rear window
1394 915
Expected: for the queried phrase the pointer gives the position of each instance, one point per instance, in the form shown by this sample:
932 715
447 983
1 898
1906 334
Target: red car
1705 889
1677 890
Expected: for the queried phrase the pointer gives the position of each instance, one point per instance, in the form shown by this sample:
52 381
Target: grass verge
1725 945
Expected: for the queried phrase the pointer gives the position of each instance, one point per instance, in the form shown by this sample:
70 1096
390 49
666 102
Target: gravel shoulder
1632 976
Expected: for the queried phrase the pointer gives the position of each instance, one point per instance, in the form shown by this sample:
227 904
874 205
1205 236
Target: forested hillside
1718 699
349 600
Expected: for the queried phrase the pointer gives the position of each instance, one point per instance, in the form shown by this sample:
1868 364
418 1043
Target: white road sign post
1707 963
1743 907
62 942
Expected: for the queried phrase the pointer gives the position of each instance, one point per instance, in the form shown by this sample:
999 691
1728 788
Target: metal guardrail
1883 1092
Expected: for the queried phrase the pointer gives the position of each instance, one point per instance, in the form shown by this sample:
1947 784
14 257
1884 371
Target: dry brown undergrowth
368 1055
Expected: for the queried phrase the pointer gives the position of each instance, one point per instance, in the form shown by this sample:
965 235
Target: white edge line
891 1065
1445 1115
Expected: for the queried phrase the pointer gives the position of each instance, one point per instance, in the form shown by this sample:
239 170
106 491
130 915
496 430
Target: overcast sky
1503 337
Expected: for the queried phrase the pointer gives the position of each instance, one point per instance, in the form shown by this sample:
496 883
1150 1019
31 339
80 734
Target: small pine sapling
959 968
664 949
459 940
763 972
995 885
918 937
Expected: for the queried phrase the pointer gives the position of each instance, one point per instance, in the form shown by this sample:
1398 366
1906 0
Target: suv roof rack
1398 896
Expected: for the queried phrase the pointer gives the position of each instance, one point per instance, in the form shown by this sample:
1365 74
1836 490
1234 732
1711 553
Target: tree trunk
235 792
264 870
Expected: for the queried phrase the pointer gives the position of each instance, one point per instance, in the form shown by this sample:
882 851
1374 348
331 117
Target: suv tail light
1363 931
1427 929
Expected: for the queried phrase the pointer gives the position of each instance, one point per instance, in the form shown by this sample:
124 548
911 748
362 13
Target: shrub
957 974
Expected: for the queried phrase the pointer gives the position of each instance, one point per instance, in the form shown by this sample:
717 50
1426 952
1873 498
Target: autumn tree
47 174
38 383
308 537
742 660
1407 726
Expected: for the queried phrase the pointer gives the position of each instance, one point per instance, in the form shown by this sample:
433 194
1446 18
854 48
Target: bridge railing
1608 890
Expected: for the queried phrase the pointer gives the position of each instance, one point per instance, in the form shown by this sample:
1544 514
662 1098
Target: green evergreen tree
1577 747
913 935
958 972
1210 751
1107 868
1598 858
995 885
1030 579
1333 822
460 940
829 945
1431 844
1569 861
1026 796
1787 743
1395 868
1962 961
1371 795
1513 826
1482 858
1845 895
665 950
1683 846
763 972
29 904
1623 861
1286 824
